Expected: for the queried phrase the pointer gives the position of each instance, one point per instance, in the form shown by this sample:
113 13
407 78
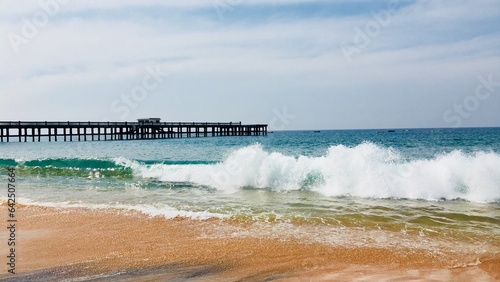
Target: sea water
428 182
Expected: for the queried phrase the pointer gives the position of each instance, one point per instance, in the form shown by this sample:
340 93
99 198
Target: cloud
287 53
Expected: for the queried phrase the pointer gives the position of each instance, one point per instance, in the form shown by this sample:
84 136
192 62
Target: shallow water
425 182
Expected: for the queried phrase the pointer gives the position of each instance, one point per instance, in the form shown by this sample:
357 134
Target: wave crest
366 170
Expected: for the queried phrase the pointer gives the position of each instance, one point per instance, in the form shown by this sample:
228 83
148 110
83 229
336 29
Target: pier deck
37 131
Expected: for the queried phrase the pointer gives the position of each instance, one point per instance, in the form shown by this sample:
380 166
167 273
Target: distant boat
317 131
391 130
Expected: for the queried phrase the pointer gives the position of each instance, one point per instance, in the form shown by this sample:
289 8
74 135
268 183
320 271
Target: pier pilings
37 131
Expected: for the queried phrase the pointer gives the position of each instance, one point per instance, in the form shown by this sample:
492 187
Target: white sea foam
366 170
151 210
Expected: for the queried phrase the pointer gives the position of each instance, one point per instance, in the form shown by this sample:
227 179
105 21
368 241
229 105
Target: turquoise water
421 181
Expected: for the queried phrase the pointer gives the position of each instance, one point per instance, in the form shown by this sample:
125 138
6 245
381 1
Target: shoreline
110 244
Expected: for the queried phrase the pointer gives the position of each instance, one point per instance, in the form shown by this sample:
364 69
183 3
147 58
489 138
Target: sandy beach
56 243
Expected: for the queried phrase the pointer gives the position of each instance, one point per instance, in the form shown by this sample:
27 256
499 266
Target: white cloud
294 61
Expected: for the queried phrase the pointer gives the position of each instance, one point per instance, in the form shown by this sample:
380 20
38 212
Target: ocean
432 184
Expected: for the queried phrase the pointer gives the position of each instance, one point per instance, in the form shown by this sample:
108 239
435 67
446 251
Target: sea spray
366 170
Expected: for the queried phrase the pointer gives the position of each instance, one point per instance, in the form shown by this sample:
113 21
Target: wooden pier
19 131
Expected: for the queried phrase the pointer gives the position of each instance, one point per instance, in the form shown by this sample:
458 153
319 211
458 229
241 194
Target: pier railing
108 123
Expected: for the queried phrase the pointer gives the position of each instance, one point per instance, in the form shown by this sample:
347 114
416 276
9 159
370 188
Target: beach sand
81 244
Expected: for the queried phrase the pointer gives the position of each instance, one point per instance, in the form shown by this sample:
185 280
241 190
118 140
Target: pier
143 129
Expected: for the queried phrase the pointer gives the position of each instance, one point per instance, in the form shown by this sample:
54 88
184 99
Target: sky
292 64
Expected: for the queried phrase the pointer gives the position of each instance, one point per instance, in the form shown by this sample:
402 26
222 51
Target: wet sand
106 245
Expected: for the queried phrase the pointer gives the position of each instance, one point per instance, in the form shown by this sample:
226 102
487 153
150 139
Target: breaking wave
366 170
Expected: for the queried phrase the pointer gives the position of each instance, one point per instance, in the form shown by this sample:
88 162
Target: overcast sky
294 64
